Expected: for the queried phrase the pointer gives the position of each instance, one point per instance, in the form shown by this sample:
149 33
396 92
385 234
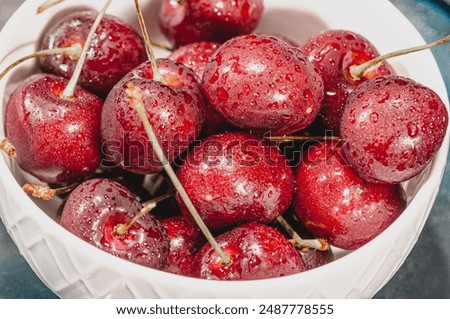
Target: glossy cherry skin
196 55
116 49
257 251
393 127
333 202
333 52
57 140
188 21
233 178
96 206
175 110
262 84
185 239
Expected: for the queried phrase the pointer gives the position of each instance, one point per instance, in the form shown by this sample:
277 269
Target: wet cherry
196 55
393 127
116 49
57 139
175 109
234 178
185 239
262 84
98 206
187 21
257 251
333 202
333 52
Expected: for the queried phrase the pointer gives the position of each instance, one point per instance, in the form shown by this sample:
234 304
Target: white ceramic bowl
74 269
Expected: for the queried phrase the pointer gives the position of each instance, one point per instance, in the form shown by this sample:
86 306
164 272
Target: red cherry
185 239
57 139
94 210
116 49
332 201
393 127
233 178
260 83
257 251
196 55
175 110
187 21
333 52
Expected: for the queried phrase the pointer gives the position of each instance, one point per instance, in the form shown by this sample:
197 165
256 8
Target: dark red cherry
94 210
262 84
393 127
333 52
233 178
57 139
116 49
257 251
187 21
175 109
185 239
196 55
333 202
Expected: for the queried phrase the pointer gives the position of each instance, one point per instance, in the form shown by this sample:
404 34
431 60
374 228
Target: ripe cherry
95 210
196 55
175 109
257 251
187 21
233 178
185 239
262 84
116 49
333 52
57 139
332 201
393 127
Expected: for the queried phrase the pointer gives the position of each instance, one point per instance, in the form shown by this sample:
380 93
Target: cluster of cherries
217 106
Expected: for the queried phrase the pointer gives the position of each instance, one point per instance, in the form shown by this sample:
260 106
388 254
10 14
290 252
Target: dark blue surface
426 271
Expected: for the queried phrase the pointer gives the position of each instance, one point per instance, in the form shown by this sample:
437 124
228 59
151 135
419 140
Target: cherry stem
318 243
121 230
8 148
70 88
148 44
45 192
47 5
302 138
136 101
74 52
159 199
359 71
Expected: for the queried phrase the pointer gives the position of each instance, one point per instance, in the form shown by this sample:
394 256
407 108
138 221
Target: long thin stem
47 5
148 44
122 229
74 52
158 199
137 103
70 88
359 71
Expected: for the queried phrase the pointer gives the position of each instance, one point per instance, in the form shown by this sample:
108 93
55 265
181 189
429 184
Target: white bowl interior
73 268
